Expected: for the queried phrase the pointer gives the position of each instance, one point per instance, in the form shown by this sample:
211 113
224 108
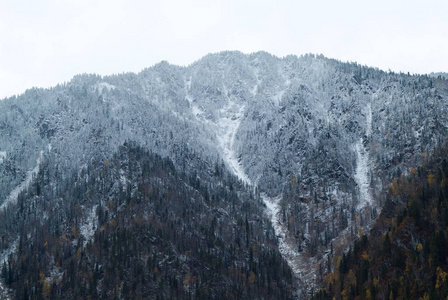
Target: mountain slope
135 227
405 256
317 138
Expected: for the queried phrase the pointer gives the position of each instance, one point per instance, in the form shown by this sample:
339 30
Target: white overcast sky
46 42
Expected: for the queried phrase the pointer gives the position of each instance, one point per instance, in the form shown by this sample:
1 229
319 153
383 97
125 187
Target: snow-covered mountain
316 139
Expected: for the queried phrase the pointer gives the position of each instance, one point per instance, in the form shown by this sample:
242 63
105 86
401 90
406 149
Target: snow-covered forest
257 169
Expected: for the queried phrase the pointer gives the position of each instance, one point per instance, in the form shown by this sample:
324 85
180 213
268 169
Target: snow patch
89 225
195 109
2 156
362 175
12 198
286 249
228 126
418 132
254 90
282 88
56 275
278 97
300 264
104 85
123 179
363 164
369 119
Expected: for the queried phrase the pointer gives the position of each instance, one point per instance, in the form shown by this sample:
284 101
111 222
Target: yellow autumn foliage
431 179
419 247
441 277
252 277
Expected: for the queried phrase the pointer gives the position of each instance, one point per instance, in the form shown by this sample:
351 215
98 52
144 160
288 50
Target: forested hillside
405 256
135 227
